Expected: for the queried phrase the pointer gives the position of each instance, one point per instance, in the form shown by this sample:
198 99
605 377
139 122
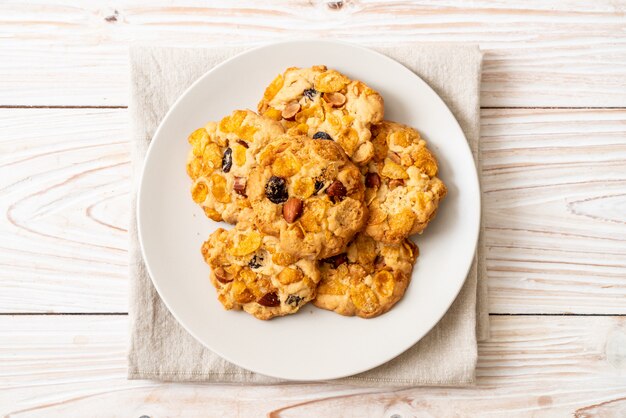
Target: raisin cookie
309 194
368 279
251 273
221 158
325 104
402 188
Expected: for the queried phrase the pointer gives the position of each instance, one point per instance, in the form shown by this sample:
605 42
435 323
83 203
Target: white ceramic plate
313 344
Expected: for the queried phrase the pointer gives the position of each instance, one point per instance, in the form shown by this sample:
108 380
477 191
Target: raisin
255 262
336 191
310 93
227 160
293 300
242 143
322 135
276 190
336 260
318 186
269 299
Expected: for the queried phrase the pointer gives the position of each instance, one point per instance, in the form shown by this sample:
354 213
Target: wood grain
74 366
554 184
537 53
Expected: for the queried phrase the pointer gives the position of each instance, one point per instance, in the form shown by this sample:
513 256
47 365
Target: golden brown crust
368 279
251 273
318 100
403 191
221 158
322 178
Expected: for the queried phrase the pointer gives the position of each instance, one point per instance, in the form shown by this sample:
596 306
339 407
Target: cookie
309 194
368 279
325 104
402 188
221 158
251 273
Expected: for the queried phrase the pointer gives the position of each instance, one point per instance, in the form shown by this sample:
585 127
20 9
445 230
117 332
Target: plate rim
140 187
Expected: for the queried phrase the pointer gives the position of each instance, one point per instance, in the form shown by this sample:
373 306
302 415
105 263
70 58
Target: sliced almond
335 99
289 112
395 158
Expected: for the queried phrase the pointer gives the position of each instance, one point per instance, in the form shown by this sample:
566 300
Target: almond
336 191
239 186
220 275
395 158
242 143
292 209
289 112
269 299
335 99
372 180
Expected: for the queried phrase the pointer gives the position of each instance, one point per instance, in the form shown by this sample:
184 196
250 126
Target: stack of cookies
323 193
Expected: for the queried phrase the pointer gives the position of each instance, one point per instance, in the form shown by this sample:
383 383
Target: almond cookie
366 280
402 188
251 273
309 194
220 160
325 104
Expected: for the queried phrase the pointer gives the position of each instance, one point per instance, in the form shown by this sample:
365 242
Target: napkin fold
161 349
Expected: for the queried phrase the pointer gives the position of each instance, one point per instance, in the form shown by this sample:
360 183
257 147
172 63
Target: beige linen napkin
161 349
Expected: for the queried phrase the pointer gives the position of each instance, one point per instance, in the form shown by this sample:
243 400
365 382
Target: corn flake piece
400 139
289 276
364 298
334 121
286 165
241 293
349 140
273 114
194 168
304 187
402 223
366 249
332 287
244 244
199 192
377 215
232 122
393 171
247 132
239 154
212 156
198 140
213 214
384 283
313 215
330 81
425 161
283 259
298 128
273 88
218 190
422 200
381 147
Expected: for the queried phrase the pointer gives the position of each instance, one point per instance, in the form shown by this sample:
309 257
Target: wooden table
554 140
